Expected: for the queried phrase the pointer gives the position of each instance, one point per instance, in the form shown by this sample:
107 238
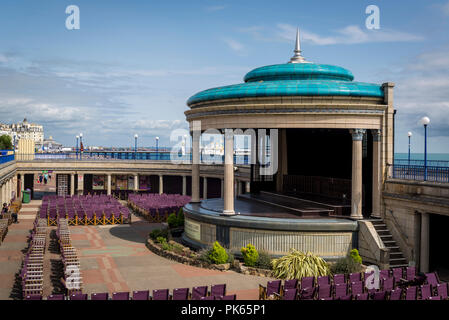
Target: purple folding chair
379 295
218 290
273 287
141 295
398 274
199 292
396 294
434 298
208 298
341 290
356 288
290 284
339 279
384 274
33 297
324 291
180 294
307 293
442 290
78 296
432 279
160 294
229 297
99 296
411 293
307 282
56 297
290 294
362 296
326 298
387 284
346 297
410 273
323 280
120 296
354 277
426 291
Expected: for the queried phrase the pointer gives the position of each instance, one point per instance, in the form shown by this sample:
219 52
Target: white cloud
235 45
351 34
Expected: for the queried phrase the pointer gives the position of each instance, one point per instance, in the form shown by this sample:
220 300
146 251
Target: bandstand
330 140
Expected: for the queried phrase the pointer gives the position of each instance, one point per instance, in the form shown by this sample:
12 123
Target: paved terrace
113 258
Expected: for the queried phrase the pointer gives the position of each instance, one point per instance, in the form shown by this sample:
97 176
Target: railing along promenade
421 172
128 156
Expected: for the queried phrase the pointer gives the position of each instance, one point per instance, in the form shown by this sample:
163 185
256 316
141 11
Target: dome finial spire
297 57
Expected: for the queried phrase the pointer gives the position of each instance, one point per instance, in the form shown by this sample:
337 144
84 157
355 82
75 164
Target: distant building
25 130
50 145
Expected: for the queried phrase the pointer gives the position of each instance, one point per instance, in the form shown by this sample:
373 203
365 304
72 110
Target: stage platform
272 227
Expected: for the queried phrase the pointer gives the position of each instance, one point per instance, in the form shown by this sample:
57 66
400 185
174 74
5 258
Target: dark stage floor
270 208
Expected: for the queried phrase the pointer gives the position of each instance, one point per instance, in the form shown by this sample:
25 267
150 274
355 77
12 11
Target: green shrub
297 265
166 246
218 254
159 233
161 240
250 255
346 265
264 261
354 254
172 220
180 221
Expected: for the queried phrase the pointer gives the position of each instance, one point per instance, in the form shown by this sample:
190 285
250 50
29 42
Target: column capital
357 134
377 134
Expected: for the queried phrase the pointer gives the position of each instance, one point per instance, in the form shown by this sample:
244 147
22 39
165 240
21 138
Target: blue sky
133 64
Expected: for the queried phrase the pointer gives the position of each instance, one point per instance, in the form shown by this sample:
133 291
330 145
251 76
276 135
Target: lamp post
409 136
157 148
425 121
76 150
135 146
81 146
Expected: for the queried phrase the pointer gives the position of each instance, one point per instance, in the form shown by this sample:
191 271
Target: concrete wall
403 203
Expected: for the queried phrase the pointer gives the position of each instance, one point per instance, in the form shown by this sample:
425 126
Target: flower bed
191 258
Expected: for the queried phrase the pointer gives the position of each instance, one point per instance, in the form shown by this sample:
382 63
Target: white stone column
8 190
161 184
109 185
424 254
184 185
356 198
2 196
136 182
72 184
228 208
377 179
196 134
204 188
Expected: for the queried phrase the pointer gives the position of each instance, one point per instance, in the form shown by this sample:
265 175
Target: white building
25 130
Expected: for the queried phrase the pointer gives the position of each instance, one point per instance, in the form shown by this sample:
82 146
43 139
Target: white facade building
25 130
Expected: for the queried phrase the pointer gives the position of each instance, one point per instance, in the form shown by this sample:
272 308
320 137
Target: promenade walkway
113 258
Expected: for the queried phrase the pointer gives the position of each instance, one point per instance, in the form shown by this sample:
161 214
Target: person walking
4 210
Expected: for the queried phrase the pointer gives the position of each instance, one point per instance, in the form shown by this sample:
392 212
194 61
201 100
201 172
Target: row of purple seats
217 292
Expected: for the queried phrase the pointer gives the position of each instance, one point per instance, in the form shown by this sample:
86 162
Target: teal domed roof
296 78
299 71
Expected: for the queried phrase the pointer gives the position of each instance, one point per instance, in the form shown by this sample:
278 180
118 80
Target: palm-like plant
297 265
